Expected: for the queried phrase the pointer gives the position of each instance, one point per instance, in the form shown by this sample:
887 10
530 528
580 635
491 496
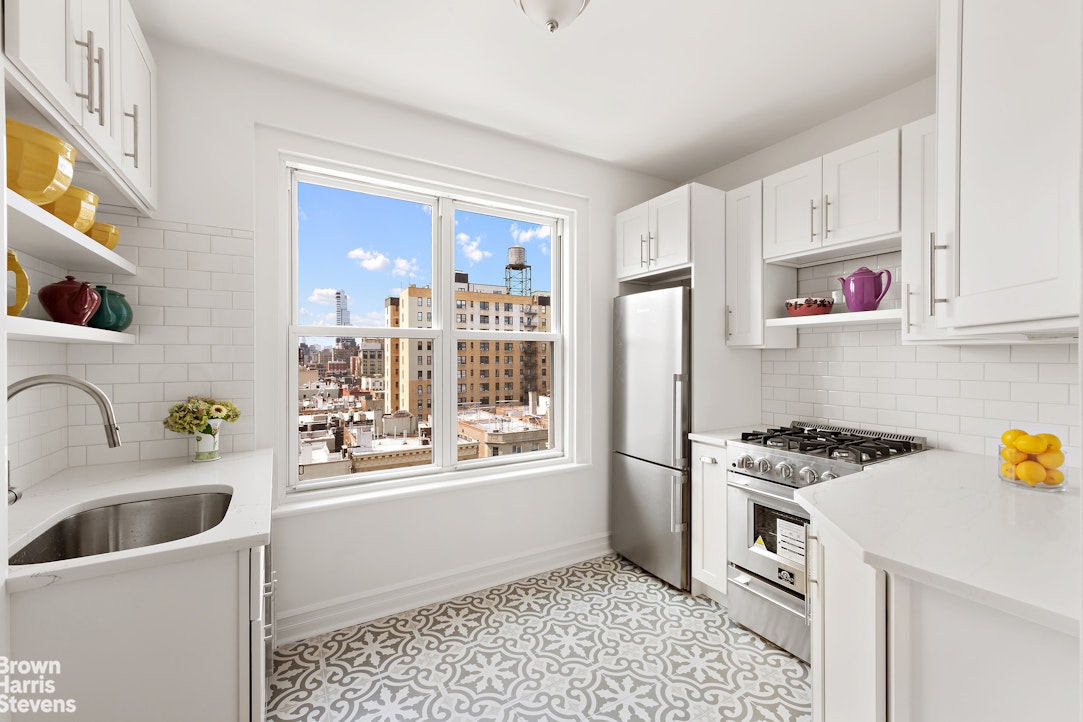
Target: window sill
302 502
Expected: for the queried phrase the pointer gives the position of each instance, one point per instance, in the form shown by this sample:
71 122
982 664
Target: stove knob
785 470
808 475
764 466
828 476
744 462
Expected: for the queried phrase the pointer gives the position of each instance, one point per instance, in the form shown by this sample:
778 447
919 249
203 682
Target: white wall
901 107
384 552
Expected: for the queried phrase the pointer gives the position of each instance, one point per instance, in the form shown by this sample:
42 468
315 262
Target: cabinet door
631 242
1009 152
849 632
709 520
138 107
40 39
791 210
744 265
102 126
919 230
670 228
861 190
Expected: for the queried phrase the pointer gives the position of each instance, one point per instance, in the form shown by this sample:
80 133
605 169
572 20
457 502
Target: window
407 258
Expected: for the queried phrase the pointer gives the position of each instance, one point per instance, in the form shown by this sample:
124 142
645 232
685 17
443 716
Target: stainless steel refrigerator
649 502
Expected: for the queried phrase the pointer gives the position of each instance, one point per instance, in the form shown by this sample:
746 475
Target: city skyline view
372 246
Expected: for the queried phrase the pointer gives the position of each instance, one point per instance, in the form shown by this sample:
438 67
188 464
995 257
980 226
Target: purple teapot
863 289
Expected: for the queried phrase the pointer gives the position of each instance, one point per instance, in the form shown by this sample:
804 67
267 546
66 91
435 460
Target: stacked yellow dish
105 234
76 208
39 165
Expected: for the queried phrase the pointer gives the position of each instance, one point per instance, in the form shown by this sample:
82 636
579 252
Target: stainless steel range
766 527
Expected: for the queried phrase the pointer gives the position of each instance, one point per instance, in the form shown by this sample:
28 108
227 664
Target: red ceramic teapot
69 301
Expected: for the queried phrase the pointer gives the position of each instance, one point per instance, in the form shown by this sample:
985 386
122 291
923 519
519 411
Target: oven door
766 534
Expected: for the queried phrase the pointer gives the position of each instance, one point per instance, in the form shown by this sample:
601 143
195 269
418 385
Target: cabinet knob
708 460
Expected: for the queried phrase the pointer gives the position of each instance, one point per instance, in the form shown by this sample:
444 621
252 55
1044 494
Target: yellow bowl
39 164
105 234
76 208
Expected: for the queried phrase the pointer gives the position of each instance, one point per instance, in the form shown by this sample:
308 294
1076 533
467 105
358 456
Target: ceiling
671 88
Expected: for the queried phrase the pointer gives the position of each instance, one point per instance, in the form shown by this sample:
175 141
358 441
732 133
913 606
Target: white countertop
247 523
718 437
945 519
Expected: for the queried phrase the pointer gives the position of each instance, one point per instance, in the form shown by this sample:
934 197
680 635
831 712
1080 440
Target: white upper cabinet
1008 129
656 235
138 107
89 67
861 190
750 285
791 209
919 231
846 199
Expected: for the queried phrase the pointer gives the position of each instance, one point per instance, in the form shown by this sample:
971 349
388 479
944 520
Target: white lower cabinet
709 520
848 619
885 647
170 642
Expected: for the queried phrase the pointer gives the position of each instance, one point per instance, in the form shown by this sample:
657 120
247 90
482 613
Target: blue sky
371 246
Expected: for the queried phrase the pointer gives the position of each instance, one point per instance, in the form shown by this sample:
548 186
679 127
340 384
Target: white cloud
370 260
403 267
526 235
323 295
471 248
368 320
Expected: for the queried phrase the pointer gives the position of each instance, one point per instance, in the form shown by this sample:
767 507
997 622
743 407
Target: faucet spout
112 433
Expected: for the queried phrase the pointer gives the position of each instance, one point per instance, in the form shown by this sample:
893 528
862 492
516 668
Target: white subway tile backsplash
162 258
960 398
185 241
192 280
187 316
163 225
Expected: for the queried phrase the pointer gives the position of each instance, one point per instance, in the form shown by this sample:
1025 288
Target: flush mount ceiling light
552 14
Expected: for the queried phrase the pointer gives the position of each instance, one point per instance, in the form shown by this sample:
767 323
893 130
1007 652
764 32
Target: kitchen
208 211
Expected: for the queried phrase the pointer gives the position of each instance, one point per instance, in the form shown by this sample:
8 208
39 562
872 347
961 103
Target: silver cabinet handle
101 86
650 237
810 581
729 316
933 248
708 460
134 115
906 308
676 506
642 242
812 219
827 216
88 96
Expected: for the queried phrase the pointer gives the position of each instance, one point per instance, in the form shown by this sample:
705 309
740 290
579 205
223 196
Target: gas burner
804 453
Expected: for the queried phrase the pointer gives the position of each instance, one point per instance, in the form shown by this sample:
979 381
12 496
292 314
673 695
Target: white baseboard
308 621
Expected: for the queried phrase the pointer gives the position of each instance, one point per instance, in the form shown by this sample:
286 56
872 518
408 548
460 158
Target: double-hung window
384 251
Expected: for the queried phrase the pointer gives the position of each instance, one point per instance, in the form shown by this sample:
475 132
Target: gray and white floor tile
600 640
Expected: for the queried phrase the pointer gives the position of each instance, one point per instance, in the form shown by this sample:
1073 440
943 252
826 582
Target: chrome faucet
112 433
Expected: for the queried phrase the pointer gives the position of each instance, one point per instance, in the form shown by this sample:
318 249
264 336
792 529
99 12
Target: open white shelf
33 329
829 319
42 235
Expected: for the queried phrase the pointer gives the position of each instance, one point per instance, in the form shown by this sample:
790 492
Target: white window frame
484 469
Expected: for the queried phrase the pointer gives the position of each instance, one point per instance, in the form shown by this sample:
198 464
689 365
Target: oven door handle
744 584
760 492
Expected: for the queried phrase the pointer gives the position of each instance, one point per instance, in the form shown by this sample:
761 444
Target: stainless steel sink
129 525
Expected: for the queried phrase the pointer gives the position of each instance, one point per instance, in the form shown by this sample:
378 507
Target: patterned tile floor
600 640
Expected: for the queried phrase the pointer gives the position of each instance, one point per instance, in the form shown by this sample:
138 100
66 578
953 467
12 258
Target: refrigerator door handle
676 504
678 421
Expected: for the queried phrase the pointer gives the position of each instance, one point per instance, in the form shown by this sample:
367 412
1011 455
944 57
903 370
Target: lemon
1030 444
1054 477
1007 470
1012 455
1009 436
1050 459
1030 471
1053 440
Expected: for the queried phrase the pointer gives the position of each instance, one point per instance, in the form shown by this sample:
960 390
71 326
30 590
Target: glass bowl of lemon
1031 460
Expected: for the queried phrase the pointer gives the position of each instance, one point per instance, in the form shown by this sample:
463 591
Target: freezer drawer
649 512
